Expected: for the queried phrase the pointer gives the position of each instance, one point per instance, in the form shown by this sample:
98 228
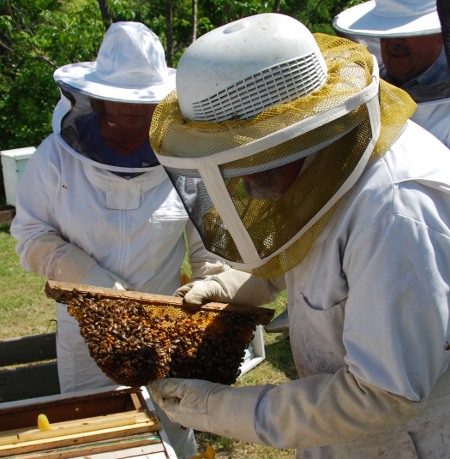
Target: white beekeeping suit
311 171
94 214
371 21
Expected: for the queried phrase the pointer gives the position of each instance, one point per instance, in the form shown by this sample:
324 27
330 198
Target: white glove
99 277
208 407
196 293
308 412
232 286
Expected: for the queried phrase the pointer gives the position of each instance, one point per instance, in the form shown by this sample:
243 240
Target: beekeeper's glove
208 407
232 286
198 292
99 277
304 413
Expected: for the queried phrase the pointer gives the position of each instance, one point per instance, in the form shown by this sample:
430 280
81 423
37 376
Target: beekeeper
95 207
410 41
307 168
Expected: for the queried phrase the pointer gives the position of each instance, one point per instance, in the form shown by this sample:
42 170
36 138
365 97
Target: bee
447 346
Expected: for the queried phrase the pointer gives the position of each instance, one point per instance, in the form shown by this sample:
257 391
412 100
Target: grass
25 310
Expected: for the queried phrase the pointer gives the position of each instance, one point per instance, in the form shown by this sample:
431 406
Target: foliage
37 37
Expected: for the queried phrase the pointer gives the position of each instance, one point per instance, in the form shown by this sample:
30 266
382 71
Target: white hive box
13 164
255 353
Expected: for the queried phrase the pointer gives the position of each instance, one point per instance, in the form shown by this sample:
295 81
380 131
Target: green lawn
24 308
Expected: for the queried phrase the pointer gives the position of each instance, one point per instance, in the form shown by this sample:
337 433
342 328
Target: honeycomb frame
136 337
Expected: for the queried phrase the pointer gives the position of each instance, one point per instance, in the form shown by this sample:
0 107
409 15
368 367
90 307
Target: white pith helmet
236 73
233 124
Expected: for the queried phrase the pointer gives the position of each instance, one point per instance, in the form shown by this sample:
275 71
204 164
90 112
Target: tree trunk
106 15
194 20
169 33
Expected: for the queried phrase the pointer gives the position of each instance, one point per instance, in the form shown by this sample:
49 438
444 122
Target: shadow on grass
4 228
279 355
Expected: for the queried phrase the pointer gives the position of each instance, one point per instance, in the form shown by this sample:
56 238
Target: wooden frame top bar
63 292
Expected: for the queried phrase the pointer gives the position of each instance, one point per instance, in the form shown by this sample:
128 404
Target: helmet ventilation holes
278 84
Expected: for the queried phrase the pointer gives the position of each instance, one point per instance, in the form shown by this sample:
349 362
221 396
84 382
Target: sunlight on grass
24 307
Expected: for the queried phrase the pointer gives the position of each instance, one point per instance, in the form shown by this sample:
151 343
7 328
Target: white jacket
434 116
74 214
133 228
372 300
369 317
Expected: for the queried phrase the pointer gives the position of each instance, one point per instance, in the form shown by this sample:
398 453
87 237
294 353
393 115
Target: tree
276 6
37 37
169 33
194 19
106 15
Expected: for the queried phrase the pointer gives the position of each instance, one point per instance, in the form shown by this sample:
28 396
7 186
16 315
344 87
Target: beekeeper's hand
99 277
232 286
207 406
198 292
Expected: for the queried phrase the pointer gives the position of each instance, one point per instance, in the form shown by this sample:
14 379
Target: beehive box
103 423
13 165
255 352
137 337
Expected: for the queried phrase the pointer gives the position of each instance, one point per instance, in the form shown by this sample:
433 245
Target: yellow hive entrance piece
43 423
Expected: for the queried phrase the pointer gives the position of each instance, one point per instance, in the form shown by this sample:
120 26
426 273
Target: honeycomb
134 342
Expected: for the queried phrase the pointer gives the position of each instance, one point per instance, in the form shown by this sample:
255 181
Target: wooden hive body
108 422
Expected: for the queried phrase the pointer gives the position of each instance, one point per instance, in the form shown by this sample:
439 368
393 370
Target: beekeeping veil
252 97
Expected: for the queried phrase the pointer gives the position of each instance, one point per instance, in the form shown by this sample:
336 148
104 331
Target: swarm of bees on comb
136 338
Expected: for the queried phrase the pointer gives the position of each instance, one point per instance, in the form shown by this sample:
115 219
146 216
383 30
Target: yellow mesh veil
338 141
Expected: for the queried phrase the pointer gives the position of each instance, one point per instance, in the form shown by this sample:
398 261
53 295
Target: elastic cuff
231 412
